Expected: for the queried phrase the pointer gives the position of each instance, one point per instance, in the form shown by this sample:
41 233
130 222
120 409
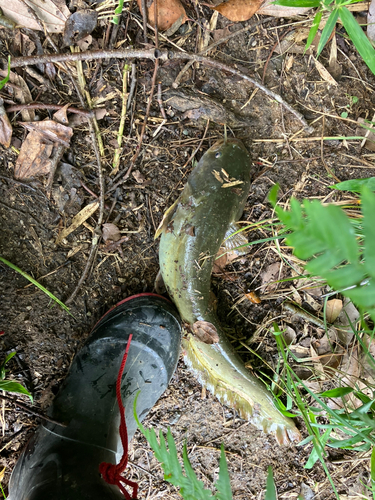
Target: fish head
230 159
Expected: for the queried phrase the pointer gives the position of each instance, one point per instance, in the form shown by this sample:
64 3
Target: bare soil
46 338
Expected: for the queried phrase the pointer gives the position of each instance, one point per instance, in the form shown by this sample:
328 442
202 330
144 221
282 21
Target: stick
157 55
32 412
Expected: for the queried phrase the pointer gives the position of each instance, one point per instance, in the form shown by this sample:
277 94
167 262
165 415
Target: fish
192 233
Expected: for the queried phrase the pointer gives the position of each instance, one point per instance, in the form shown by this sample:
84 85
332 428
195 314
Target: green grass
341 251
336 9
38 285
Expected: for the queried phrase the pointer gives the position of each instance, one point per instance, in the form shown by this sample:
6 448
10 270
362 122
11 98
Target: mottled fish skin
213 198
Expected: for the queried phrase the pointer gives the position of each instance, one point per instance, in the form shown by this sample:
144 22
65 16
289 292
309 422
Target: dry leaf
270 275
253 297
268 9
351 367
53 13
333 309
206 332
2 474
171 13
21 93
5 126
79 25
238 10
38 148
85 43
50 131
61 115
138 177
111 232
324 73
79 219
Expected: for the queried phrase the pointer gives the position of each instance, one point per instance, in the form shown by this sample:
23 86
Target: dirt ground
46 338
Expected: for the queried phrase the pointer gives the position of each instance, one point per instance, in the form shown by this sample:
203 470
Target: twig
51 107
216 44
138 149
32 412
144 17
160 102
158 55
54 161
120 133
272 51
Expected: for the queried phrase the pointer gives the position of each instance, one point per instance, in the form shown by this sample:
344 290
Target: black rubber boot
62 463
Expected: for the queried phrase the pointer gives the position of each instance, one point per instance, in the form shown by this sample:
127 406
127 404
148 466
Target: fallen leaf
238 10
351 367
201 107
21 93
5 126
253 297
333 309
53 13
79 219
80 24
268 9
2 474
61 115
138 177
85 43
324 73
206 332
289 335
111 232
39 147
271 274
51 131
171 13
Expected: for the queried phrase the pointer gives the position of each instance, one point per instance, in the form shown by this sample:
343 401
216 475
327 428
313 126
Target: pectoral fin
167 217
234 239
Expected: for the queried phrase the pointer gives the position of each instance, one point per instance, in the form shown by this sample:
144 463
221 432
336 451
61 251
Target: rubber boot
62 463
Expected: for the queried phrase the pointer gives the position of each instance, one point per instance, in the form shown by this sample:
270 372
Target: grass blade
38 285
357 35
327 30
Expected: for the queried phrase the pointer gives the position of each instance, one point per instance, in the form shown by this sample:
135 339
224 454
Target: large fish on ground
192 233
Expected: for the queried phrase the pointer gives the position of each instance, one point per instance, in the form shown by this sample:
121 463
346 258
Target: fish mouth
222 142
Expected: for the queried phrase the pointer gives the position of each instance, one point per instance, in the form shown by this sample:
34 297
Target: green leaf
222 485
336 393
34 282
273 195
5 80
191 488
368 210
271 493
314 29
8 358
358 37
327 30
10 386
372 468
355 185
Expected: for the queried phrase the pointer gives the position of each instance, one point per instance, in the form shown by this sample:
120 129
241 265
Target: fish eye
218 154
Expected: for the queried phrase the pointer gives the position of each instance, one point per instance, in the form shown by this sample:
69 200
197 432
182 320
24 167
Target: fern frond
325 237
191 488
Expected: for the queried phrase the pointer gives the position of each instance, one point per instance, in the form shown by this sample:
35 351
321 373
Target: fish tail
241 391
